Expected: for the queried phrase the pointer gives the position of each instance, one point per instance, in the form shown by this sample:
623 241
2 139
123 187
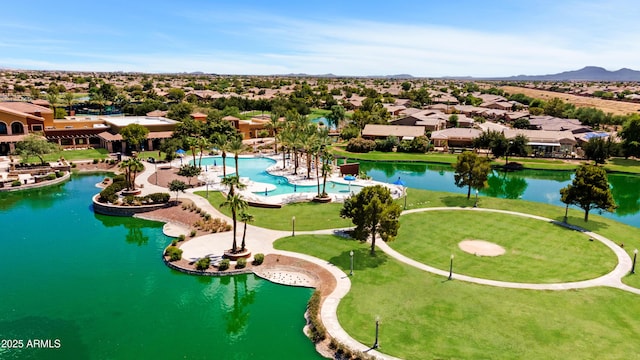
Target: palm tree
203 144
52 98
220 140
274 126
233 182
68 98
236 146
99 100
326 169
192 143
245 218
236 203
135 166
124 165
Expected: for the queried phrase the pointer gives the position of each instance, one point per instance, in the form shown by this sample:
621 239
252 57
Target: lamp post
451 268
155 163
405 198
351 255
475 205
506 160
293 226
375 344
566 213
633 266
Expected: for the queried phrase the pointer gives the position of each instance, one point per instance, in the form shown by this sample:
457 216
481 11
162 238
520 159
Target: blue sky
422 38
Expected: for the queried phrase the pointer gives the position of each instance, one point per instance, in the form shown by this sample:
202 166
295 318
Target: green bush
193 233
159 198
417 145
349 132
224 265
59 174
258 259
174 242
360 145
119 178
317 330
181 237
15 183
174 253
95 161
203 263
241 263
51 176
73 165
387 144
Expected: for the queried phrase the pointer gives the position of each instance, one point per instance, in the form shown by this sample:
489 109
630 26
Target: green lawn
536 251
423 316
74 155
316 113
309 216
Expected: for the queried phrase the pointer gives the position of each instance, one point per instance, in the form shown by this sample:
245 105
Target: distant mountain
588 73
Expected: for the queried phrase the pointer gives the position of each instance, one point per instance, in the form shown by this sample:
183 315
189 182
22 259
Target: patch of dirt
608 106
167 174
481 248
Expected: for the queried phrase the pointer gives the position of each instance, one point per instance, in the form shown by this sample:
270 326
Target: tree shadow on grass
458 201
362 259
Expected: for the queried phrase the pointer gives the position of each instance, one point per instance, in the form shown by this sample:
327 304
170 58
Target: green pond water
98 285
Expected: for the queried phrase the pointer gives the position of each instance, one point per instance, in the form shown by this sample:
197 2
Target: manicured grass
309 216
144 155
423 316
623 165
73 155
536 251
316 113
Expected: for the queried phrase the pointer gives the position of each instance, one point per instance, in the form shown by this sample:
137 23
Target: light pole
375 344
506 160
451 268
633 266
476 203
351 255
293 226
405 198
566 213
155 163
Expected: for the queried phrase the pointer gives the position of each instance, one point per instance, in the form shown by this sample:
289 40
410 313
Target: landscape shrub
224 265
174 242
59 174
203 263
95 161
317 331
417 145
241 263
129 199
159 198
74 165
258 259
15 183
349 132
174 253
193 233
181 237
360 145
387 145
51 176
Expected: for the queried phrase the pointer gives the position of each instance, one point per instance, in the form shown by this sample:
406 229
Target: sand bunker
481 248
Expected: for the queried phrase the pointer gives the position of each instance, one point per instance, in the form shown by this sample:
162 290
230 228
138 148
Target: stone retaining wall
118 210
205 273
63 178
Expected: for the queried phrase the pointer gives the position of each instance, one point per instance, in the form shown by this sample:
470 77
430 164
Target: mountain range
588 73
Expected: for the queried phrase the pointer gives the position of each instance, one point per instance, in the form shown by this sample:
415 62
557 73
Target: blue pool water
324 121
255 169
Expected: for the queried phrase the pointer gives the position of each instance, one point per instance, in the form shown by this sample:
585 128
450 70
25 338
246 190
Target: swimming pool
255 169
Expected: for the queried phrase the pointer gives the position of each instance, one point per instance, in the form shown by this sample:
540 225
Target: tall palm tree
99 100
68 98
233 183
220 140
274 125
236 203
52 98
203 144
236 146
245 218
192 143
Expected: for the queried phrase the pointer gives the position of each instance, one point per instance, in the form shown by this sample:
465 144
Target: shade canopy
350 178
180 151
399 182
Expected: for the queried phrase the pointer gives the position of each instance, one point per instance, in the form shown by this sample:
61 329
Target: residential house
455 137
406 132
